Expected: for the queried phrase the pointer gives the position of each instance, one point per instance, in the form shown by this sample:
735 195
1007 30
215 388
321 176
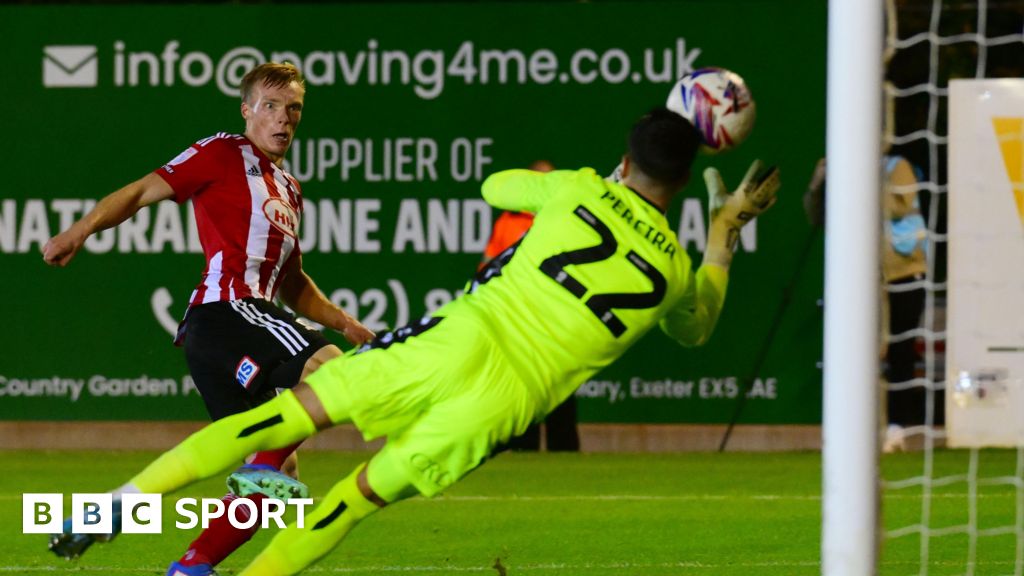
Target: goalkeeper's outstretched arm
521 190
693 320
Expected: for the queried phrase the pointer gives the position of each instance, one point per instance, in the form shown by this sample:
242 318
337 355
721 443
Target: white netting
945 511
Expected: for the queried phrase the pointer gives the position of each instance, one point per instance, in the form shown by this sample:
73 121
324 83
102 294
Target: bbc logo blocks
91 513
142 513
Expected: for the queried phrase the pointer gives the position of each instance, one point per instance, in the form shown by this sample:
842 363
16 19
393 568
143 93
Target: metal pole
850 428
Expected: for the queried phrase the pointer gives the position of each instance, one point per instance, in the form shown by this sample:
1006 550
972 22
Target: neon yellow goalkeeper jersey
598 269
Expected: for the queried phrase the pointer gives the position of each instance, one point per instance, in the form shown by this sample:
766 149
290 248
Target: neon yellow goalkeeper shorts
444 397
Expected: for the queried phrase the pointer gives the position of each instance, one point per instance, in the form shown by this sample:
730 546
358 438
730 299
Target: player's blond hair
273 74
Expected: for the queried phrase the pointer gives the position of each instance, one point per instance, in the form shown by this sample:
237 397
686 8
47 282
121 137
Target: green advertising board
408 108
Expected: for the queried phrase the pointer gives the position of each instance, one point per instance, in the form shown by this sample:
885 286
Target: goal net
944 510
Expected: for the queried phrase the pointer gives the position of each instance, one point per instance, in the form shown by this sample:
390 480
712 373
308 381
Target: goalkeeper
598 269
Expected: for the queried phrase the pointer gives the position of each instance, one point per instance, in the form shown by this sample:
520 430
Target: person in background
510 225
904 267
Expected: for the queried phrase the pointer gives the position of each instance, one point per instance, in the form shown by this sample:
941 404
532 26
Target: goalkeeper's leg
222 444
270 473
351 500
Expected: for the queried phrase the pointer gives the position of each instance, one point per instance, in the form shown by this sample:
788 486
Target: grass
546 514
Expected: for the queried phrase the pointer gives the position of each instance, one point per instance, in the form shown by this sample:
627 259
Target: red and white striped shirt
247 213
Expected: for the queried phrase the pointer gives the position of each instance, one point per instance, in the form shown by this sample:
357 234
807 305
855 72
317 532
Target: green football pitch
546 514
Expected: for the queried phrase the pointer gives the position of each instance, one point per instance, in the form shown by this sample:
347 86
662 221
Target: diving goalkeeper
598 269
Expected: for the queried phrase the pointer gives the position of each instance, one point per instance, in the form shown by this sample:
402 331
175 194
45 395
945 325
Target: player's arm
303 296
693 319
115 208
521 190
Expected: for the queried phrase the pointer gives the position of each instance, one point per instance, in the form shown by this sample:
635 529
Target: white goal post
952 505
850 413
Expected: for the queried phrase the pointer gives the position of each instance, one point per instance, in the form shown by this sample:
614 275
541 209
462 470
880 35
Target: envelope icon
69 66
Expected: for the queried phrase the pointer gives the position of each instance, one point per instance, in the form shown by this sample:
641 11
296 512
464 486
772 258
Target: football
718 103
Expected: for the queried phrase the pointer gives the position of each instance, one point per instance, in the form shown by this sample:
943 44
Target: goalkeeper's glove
730 212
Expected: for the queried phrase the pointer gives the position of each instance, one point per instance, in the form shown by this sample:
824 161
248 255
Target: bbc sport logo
143 513
70 67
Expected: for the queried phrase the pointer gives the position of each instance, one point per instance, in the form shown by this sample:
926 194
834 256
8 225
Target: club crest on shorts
246 371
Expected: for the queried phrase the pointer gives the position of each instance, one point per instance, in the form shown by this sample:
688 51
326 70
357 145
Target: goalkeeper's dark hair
663 145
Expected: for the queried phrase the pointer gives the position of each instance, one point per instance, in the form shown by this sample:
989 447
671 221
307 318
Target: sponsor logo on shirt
246 371
281 215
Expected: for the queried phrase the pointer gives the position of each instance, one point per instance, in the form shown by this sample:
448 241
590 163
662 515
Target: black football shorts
240 352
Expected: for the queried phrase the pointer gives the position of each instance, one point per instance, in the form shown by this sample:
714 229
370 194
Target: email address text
427 71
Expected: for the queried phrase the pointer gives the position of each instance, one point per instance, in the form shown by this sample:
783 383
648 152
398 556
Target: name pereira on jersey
659 240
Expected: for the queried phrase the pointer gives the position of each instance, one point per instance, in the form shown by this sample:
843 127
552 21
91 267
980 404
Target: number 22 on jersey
604 304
